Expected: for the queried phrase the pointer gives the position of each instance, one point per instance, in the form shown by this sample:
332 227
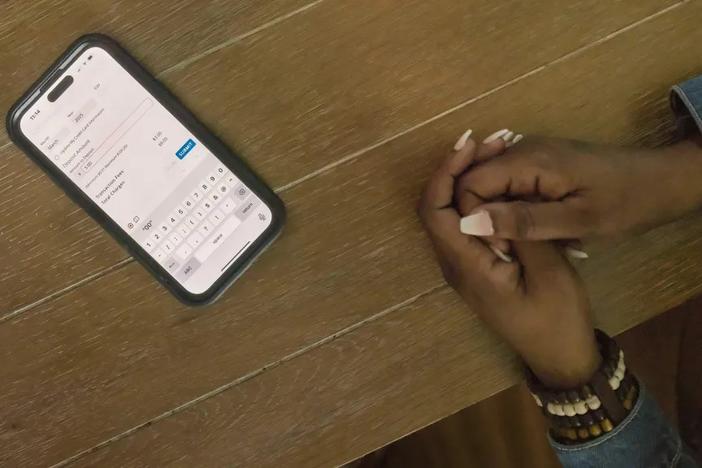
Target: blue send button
185 149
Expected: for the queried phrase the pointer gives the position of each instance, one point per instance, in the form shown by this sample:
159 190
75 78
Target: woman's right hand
559 189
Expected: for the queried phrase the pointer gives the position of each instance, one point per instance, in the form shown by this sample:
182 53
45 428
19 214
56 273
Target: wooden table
343 336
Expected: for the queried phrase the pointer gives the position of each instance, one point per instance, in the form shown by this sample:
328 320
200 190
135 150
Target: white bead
593 402
619 374
580 407
614 382
551 408
568 409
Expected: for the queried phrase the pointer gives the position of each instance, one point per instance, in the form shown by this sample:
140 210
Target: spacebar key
217 239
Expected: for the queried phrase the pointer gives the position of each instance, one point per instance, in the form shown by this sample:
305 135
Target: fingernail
517 138
462 141
572 252
508 136
477 224
502 256
496 135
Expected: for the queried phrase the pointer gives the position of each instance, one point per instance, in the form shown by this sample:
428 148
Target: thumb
543 265
526 220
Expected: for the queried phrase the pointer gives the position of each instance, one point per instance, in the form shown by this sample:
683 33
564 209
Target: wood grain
304 94
353 250
364 389
161 33
507 429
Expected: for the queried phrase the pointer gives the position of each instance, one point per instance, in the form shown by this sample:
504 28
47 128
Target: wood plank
337 397
475 436
385 380
353 248
161 33
305 94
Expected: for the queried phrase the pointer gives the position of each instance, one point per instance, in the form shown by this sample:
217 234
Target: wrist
570 368
587 411
680 169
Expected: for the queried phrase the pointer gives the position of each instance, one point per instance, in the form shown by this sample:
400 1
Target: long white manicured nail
462 141
572 252
496 135
502 256
477 224
517 138
508 136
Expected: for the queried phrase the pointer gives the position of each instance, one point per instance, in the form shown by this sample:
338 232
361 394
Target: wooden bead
563 433
606 425
595 430
599 415
570 434
583 433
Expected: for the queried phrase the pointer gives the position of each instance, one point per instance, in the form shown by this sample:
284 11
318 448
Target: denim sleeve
643 440
686 101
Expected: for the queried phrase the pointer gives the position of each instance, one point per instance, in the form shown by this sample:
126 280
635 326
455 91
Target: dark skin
561 189
539 193
537 303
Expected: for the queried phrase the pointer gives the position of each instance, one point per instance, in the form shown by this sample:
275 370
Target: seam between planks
56 294
233 40
239 38
356 154
252 374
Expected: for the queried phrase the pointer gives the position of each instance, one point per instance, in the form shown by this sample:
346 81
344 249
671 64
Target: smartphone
120 145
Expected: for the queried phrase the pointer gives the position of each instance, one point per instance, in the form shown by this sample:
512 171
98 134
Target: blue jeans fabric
643 440
686 101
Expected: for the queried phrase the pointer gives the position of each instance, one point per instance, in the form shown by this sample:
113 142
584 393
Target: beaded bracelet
596 408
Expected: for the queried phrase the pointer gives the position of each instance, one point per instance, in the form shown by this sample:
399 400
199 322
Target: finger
435 208
490 150
515 175
466 202
543 264
438 193
522 220
497 143
442 220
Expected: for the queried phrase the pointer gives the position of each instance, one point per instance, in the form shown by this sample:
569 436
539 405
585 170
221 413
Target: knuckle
523 220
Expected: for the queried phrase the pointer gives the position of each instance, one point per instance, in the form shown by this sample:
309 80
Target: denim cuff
686 102
643 439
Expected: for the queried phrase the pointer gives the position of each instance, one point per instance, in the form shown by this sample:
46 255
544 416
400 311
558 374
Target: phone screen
145 170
